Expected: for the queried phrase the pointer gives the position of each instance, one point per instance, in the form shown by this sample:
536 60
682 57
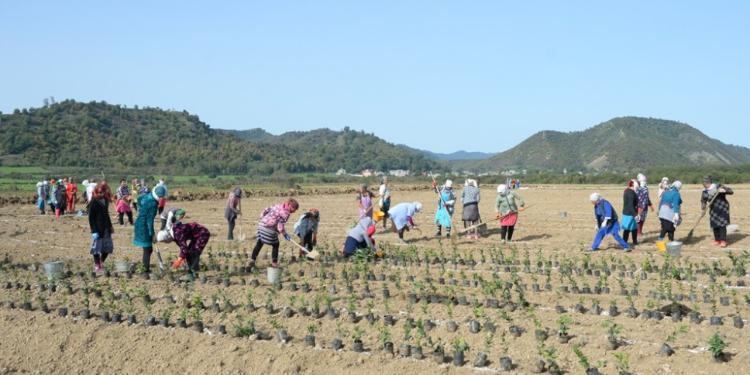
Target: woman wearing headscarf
60 199
630 212
644 202
507 206
41 196
669 211
714 198
446 203
470 201
100 225
663 186
607 223
71 191
364 202
272 224
144 234
232 210
123 203
384 199
360 237
402 217
191 238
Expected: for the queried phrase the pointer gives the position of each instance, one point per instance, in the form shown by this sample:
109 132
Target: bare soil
550 237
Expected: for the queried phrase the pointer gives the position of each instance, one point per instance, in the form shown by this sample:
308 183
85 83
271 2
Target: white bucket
732 228
674 249
274 275
122 266
54 270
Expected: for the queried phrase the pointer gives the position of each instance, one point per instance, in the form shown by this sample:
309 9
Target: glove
434 185
94 236
638 219
498 216
676 219
722 190
178 263
605 222
287 237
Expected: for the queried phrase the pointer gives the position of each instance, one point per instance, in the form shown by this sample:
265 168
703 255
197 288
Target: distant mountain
252 135
620 144
101 135
458 155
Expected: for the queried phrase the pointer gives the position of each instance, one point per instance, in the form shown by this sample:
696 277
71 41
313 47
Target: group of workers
191 238
637 204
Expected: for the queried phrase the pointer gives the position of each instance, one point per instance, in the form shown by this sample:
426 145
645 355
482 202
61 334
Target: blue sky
439 75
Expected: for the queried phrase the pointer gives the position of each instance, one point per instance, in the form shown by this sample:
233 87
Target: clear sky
439 75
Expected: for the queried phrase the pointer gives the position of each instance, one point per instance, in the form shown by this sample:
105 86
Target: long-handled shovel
314 255
703 213
161 261
442 201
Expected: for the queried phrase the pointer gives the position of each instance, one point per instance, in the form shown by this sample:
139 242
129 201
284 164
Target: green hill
620 144
101 135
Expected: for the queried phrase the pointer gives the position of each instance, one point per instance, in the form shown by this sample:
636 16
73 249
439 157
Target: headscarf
102 191
237 192
677 184
417 206
502 189
159 192
595 197
641 179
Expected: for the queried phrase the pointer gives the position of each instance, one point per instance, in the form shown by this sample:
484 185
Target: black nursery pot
695 317
481 360
63 312
181 323
716 321
458 358
738 322
116 318
222 329
666 350
164 322
506 364
540 335
358 346
451 326
474 326
388 348
131 319
336 344
404 350
416 352
310 340
150 321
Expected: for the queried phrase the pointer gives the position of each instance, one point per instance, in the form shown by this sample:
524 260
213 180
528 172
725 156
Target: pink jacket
275 217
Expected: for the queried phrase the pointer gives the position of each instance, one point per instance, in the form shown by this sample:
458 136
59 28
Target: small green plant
564 322
716 345
613 329
357 334
460 345
384 334
582 359
682 328
312 328
623 362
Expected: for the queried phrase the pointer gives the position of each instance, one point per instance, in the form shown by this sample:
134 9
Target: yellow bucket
378 215
661 245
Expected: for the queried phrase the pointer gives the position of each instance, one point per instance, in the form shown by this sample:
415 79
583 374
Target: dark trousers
506 232
194 262
307 241
230 228
100 257
274 251
720 233
667 228
147 251
121 215
626 234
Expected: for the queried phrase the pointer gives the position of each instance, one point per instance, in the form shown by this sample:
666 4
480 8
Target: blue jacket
670 204
604 210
